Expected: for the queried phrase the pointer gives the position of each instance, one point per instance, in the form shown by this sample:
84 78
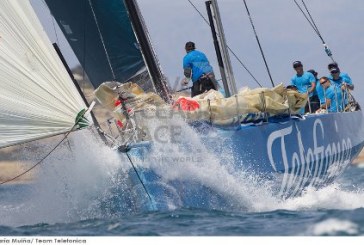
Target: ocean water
79 192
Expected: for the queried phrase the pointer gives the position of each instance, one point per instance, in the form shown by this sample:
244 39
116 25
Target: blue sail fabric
114 56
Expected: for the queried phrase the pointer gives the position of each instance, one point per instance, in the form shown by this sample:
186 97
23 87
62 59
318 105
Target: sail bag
212 106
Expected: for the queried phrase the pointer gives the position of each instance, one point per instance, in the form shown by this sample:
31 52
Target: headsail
101 36
37 97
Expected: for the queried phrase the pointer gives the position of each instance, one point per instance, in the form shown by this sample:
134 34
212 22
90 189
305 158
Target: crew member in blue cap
341 80
304 81
343 76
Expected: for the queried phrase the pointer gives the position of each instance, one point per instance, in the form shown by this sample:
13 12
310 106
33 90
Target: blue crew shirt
198 63
343 77
317 81
320 93
303 82
334 94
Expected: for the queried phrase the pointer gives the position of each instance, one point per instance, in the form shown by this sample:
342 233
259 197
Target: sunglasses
297 66
334 72
324 82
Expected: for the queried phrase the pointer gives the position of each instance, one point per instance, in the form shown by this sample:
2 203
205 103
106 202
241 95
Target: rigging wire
102 39
83 66
125 149
48 154
80 118
257 38
39 162
309 19
53 22
312 23
312 20
55 30
231 51
140 179
59 43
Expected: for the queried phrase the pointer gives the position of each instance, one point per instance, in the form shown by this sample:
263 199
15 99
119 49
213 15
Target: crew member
304 81
197 68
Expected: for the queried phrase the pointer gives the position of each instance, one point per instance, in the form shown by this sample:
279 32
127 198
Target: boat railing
265 113
256 108
118 135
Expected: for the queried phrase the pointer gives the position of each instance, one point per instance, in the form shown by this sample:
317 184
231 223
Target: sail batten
38 98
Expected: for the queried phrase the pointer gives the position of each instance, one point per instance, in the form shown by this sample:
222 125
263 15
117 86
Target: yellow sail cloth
137 100
210 106
227 111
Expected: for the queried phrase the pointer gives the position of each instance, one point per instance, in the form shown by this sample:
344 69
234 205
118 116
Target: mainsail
101 35
38 98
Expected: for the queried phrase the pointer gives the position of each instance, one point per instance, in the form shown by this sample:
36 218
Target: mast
150 59
217 50
221 47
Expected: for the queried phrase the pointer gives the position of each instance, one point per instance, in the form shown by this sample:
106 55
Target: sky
284 33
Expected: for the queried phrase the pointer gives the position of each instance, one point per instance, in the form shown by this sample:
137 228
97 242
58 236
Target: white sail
37 97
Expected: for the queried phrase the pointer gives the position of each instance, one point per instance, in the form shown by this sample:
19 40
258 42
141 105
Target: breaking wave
84 179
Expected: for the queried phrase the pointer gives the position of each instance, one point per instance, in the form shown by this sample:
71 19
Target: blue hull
291 153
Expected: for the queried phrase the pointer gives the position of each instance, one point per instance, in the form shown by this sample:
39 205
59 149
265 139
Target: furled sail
101 36
38 98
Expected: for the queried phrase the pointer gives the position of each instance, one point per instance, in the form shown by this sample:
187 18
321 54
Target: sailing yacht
263 135
298 152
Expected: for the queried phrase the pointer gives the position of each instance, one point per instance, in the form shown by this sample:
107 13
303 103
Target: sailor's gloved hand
185 81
